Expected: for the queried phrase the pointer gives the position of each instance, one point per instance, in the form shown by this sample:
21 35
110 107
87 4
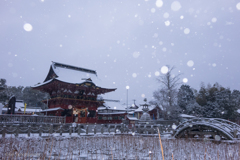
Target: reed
160 144
117 147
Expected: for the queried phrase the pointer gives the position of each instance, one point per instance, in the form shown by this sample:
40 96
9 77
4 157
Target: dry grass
116 147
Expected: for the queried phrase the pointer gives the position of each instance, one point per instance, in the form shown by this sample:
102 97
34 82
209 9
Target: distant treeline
33 98
213 101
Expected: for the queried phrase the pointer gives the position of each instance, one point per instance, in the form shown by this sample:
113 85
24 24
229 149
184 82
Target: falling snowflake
190 63
159 3
185 80
167 23
214 20
157 73
174 126
175 6
238 6
136 54
186 31
164 69
27 27
134 75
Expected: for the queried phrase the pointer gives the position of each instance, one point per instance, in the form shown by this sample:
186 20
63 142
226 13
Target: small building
131 120
154 111
112 111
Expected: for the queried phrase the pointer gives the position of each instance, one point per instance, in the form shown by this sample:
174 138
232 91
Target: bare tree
166 96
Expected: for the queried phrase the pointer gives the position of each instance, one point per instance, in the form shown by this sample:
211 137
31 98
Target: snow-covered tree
212 110
218 102
226 100
201 97
3 83
3 95
235 99
194 109
185 96
34 97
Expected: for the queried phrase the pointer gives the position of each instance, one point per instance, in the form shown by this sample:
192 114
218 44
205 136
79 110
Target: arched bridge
208 127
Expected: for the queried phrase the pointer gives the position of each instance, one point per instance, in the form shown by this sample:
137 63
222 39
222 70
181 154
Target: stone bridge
215 128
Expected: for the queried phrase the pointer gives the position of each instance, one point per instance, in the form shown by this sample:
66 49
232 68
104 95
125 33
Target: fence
31 119
80 129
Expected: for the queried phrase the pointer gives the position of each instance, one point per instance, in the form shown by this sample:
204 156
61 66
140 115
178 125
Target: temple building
74 93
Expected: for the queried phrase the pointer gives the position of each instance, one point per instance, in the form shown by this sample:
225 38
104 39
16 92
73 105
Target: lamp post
127 87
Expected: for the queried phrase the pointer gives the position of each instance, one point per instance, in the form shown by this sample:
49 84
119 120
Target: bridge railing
230 125
228 128
31 119
80 129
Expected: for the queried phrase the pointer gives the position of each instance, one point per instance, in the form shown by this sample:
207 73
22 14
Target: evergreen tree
219 102
3 83
32 97
185 96
235 99
201 97
3 95
194 109
226 100
212 110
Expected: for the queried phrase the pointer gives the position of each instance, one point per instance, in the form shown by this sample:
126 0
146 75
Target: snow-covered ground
115 147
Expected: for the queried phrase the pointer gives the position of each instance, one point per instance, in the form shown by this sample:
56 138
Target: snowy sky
126 42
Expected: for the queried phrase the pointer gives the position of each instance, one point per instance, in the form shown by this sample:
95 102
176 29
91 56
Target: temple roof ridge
66 66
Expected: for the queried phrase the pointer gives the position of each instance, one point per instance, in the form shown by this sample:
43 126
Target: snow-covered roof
185 116
19 104
71 74
132 118
21 110
74 76
52 109
46 82
114 105
101 108
151 107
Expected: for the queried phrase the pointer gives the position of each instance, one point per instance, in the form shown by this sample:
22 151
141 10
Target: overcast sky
127 42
